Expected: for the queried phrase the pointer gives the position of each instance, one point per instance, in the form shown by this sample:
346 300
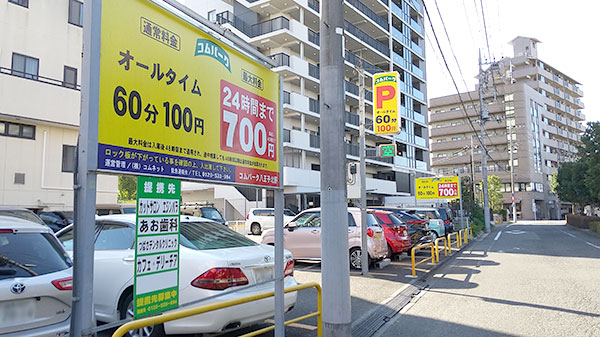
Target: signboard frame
386 105
429 188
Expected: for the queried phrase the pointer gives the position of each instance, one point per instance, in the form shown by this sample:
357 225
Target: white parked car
302 236
260 219
214 260
36 280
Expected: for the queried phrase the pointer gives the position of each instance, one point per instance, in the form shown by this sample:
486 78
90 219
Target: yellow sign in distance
386 111
438 188
177 102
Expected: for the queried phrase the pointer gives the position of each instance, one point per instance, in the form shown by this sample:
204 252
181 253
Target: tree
494 194
127 188
570 185
554 183
589 153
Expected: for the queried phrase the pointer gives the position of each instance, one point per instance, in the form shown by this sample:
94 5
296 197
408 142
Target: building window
76 13
11 129
24 66
68 158
70 77
24 3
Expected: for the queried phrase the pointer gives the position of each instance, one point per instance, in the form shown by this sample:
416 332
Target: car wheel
126 311
255 229
390 252
355 258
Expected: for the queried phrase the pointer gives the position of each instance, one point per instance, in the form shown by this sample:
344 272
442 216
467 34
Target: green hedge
595 226
581 221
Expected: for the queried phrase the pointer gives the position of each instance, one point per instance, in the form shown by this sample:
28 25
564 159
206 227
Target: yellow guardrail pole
460 238
173 315
471 232
412 256
450 241
437 250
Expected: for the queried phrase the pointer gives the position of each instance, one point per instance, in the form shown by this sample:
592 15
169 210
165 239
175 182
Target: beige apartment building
534 109
40 76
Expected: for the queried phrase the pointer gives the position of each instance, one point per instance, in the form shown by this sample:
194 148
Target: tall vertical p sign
386 110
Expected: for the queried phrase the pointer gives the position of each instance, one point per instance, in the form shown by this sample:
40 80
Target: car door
304 239
113 265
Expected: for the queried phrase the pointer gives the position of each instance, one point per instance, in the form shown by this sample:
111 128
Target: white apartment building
380 35
40 76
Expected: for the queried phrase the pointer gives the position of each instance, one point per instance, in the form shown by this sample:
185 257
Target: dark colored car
448 217
56 220
418 229
25 214
395 232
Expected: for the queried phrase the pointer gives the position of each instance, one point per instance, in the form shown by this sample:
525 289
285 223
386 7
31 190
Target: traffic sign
387 150
438 188
156 282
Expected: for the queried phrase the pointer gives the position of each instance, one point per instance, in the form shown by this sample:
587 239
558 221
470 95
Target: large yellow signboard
438 188
385 112
177 102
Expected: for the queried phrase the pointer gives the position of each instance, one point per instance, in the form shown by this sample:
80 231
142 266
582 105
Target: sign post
156 281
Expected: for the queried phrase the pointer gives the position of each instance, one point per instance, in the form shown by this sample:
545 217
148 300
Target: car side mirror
291 226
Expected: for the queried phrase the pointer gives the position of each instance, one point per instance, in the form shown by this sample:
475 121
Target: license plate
263 274
12 312
378 235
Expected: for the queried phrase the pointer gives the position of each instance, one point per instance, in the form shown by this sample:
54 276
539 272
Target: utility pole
473 169
335 278
364 258
483 118
512 172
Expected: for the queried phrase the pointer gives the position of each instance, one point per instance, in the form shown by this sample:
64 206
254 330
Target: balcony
418 94
352 119
400 61
369 13
281 59
418 72
421 165
314 141
314 105
353 89
313 37
287 97
227 17
415 25
286 135
420 141
366 38
352 149
313 70
418 50
270 26
297 102
357 61
54 101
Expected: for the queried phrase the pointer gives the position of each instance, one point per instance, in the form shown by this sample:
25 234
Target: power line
487 42
464 110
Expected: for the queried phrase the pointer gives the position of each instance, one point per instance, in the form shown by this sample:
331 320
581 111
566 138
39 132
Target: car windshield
395 220
22 214
287 212
211 235
129 210
30 254
211 213
372 220
308 219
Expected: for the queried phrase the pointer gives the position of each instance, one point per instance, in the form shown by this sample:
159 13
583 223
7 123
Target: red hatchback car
396 234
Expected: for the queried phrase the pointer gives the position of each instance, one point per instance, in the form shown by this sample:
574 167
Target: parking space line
497 236
593 245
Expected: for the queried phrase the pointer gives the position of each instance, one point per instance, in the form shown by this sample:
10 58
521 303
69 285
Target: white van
259 219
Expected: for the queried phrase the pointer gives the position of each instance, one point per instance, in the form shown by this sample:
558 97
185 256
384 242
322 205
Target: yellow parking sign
438 188
385 112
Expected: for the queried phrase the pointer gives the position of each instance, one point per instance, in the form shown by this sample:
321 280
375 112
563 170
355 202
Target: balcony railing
353 89
366 38
368 67
369 13
352 149
416 26
270 26
239 24
418 50
353 119
281 59
313 37
38 78
286 97
313 70
286 135
314 5
314 141
313 105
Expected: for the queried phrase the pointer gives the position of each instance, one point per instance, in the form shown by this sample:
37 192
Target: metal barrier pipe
173 315
466 233
471 232
412 255
437 250
459 236
450 241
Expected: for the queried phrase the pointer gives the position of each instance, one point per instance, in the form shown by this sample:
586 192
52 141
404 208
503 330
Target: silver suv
36 280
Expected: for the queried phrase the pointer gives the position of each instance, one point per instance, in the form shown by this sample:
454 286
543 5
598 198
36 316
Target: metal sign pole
279 204
363 176
82 316
462 224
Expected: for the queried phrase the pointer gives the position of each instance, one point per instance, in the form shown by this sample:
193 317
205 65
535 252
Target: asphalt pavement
529 279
